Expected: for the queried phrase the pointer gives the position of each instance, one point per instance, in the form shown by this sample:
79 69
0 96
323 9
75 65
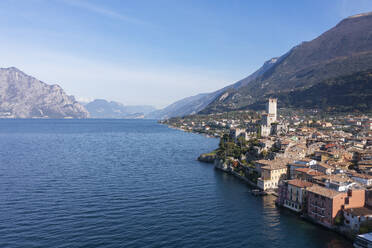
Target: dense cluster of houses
319 166
319 171
323 194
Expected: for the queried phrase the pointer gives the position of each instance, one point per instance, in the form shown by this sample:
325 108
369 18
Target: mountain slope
346 93
22 96
343 50
194 104
101 108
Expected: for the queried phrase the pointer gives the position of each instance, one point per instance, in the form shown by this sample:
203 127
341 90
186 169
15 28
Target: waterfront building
324 204
258 164
356 216
292 194
272 174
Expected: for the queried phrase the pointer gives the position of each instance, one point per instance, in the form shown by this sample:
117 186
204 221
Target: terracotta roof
329 193
305 170
310 172
315 173
300 183
274 167
329 146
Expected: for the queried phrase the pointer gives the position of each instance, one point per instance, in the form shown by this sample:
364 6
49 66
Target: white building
355 216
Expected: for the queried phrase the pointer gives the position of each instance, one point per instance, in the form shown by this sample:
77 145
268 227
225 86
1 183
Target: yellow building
272 174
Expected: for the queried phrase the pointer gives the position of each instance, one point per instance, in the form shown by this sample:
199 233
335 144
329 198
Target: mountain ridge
101 108
342 50
195 104
24 96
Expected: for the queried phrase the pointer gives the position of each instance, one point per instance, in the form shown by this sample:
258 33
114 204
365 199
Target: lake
131 183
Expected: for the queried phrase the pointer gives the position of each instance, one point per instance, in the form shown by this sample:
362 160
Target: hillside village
317 164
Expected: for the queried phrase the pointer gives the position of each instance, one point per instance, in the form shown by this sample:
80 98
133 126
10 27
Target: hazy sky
156 52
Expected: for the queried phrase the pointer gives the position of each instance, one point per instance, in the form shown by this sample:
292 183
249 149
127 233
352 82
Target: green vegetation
352 93
228 148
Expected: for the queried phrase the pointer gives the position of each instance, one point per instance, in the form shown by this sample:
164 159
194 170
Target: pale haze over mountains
156 53
342 51
337 63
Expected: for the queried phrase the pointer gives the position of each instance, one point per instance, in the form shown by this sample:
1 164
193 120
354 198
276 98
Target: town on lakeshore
318 164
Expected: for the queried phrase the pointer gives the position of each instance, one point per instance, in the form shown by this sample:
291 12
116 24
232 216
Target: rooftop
300 183
326 166
334 178
273 164
310 172
329 193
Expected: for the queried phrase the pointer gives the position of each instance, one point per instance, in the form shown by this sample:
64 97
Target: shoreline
271 193
342 233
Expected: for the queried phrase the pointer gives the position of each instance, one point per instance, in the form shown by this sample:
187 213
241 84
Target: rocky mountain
23 96
101 108
344 50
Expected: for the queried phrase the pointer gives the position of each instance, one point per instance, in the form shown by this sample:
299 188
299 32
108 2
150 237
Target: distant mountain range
331 72
343 53
101 108
194 104
23 96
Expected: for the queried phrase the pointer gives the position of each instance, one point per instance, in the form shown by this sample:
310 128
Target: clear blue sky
156 52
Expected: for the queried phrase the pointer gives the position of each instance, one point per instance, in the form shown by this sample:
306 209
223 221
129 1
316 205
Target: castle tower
271 111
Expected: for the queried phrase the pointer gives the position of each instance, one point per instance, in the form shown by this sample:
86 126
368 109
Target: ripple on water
124 183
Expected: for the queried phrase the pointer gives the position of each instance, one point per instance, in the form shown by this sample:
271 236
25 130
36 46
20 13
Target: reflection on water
125 183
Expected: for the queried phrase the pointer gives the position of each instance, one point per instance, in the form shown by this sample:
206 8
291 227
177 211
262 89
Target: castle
270 124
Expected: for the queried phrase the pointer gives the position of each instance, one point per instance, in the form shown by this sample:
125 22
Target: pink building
292 194
323 204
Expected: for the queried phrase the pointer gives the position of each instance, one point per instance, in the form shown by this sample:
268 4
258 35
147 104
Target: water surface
131 183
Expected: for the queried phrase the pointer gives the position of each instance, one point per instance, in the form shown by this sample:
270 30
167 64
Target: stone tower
271 111
269 118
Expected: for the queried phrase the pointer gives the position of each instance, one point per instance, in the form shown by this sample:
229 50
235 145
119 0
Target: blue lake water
131 183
